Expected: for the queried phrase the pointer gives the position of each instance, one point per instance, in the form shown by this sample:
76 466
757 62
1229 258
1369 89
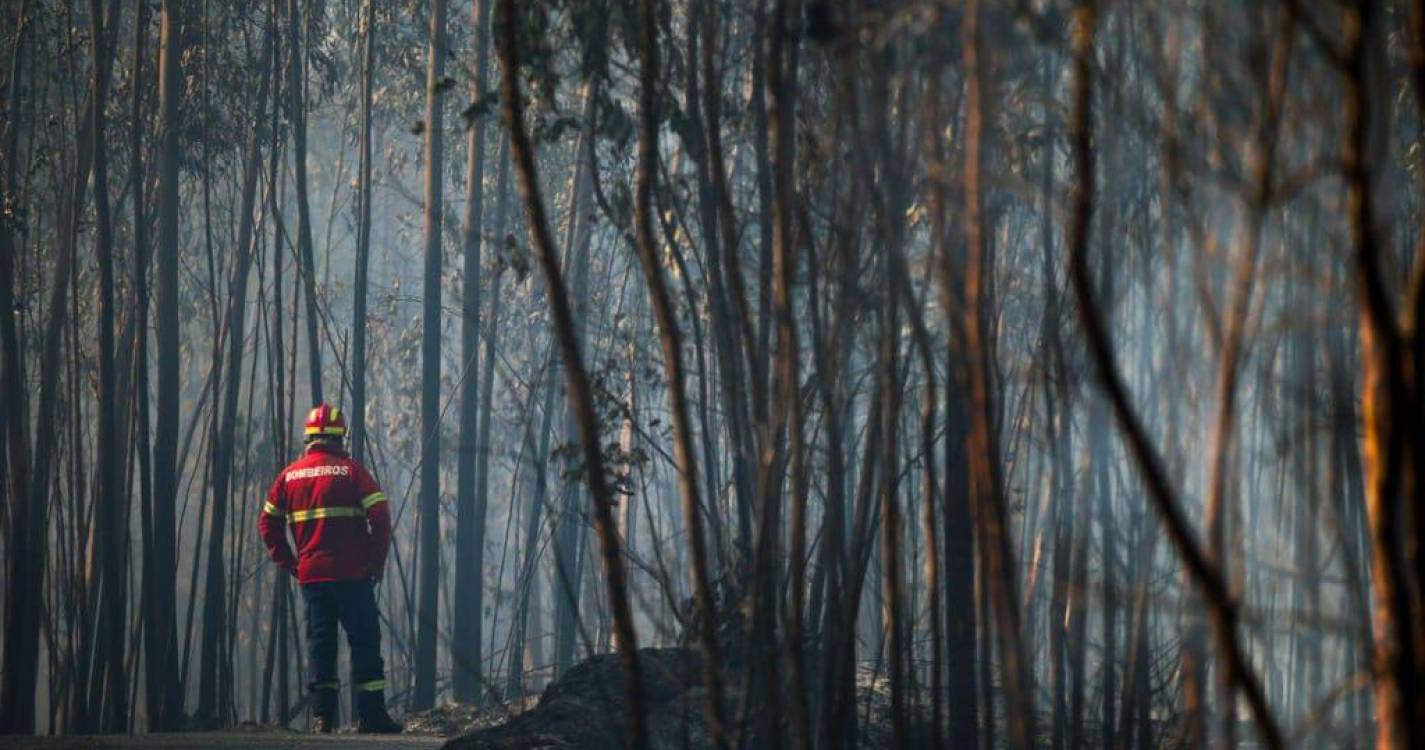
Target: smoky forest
735 373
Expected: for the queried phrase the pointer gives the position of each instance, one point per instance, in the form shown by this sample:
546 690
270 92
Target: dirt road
220 741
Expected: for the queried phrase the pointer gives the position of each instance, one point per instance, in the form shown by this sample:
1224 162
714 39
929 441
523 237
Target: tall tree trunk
991 518
734 375
760 362
961 649
1101 491
166 703
470 519
782 88
1385 406
278 648
829 361
363 238
297 98
487 375
1058 415
892 599
16 706
109 531
214 681
702 103
139 408
569 528
16 687
423 696
891 634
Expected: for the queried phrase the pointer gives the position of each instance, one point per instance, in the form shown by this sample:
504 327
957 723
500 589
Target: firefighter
342 525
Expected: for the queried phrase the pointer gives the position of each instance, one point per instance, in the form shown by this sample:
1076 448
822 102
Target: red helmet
325 421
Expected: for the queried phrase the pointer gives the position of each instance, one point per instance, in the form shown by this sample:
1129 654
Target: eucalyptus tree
423 695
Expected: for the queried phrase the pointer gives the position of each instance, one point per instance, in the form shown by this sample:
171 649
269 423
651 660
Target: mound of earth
586 707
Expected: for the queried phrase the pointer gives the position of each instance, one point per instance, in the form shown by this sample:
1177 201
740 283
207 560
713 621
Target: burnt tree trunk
357 444
215 677
161 645
470 508
297 115
423 695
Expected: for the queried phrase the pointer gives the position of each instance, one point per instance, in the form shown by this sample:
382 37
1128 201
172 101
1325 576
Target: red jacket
338 514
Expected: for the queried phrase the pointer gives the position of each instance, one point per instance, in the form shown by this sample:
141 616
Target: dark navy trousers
352 605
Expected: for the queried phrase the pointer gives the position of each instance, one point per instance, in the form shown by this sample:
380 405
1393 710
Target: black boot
371 714
323 711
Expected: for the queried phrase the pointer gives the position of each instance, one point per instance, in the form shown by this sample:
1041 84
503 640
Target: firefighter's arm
272 525
378 521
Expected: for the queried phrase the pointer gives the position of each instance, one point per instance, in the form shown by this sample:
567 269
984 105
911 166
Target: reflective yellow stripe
271 510
372 499
371 686
298 516
326 430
